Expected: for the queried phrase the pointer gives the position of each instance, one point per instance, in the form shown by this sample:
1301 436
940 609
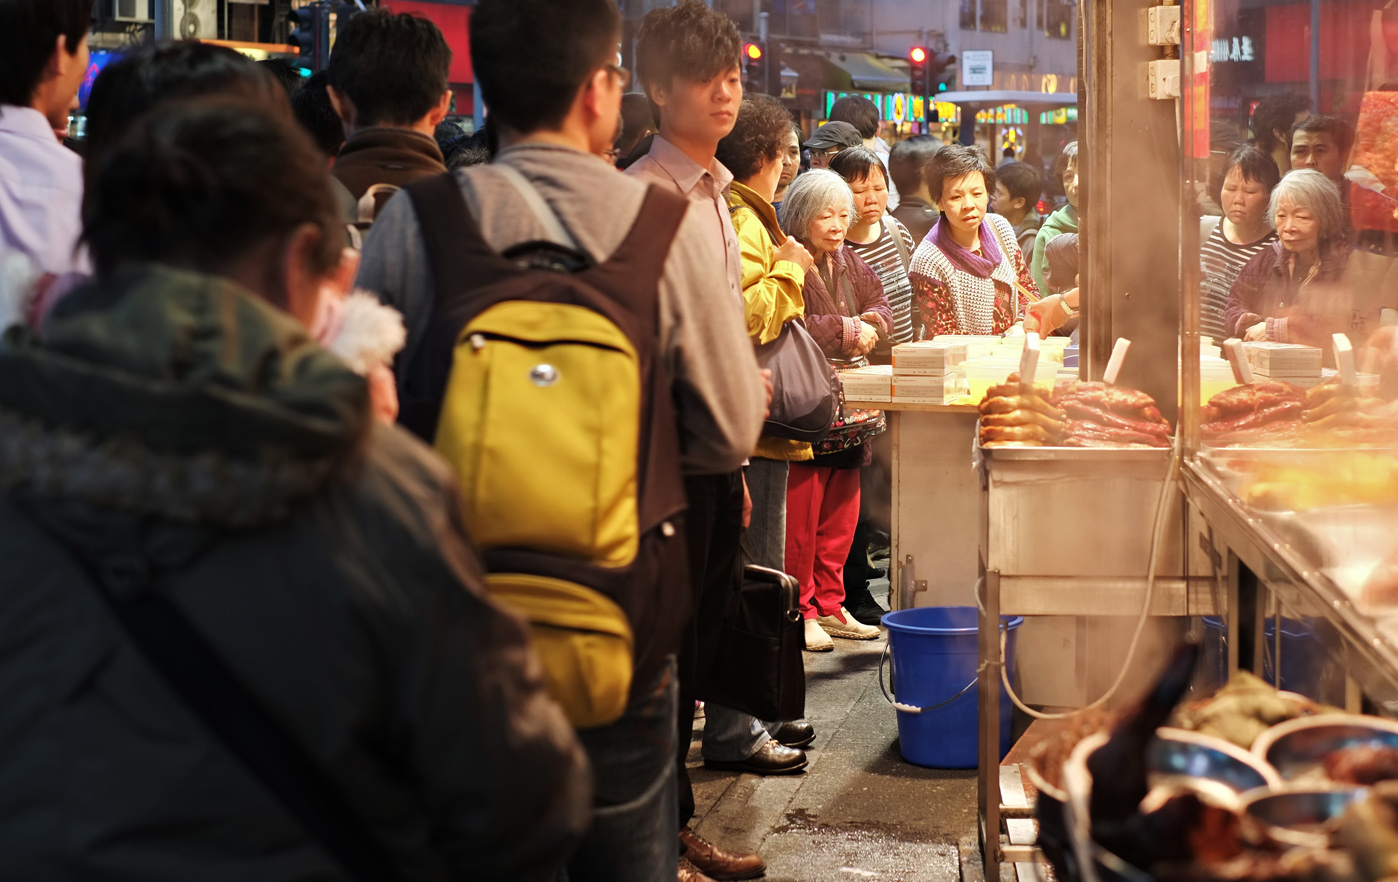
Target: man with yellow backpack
570 351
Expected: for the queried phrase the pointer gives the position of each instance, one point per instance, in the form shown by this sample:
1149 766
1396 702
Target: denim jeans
767 534
732 735
633 771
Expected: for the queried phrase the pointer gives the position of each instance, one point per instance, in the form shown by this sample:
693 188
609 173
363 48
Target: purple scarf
979 265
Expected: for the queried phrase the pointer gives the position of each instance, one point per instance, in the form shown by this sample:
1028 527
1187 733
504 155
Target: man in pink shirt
44 44
688 62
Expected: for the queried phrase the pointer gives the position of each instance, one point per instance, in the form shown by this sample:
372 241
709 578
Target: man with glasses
554 120
830 139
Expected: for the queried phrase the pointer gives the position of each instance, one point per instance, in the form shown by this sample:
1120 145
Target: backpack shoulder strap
631 276
543 212
456 249
895 230
235 716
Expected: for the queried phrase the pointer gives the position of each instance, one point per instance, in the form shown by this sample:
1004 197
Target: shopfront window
1058 16
1022 13
968 15
995 15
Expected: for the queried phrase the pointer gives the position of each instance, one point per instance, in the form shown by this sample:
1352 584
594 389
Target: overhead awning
1005 96
867 72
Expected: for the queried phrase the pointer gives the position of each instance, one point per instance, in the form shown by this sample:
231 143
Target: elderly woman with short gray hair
846 311
1286 293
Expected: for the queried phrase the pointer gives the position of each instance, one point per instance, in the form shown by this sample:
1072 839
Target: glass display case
1293 475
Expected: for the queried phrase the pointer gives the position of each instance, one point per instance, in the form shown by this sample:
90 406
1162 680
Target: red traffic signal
917 70
753 52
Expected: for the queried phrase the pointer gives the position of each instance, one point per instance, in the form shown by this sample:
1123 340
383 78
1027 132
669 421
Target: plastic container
933 650
982 373
1215 376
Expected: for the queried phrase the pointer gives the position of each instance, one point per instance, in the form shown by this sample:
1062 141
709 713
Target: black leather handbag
758 668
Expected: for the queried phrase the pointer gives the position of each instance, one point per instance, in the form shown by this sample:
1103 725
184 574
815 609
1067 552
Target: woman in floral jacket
968 275
846 310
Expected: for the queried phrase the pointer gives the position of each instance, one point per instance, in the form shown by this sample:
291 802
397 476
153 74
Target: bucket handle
911 709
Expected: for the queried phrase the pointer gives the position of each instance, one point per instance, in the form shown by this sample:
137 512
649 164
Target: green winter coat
1064 220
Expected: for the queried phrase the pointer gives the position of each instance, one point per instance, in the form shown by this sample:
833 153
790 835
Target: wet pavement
858 811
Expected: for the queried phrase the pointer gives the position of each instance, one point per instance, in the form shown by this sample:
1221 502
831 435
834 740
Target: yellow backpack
540 382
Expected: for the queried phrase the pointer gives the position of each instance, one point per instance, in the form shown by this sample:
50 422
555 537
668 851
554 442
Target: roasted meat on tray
1245 413
1017 415
1100 415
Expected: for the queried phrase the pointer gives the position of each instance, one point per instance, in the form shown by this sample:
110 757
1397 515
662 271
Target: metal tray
1075 454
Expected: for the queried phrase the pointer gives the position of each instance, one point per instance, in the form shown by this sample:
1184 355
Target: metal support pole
164 20
762 20
1315 56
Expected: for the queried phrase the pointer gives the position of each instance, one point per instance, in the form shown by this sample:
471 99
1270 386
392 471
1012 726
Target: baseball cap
834 134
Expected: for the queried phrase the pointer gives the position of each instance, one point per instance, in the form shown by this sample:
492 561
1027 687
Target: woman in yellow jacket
774 270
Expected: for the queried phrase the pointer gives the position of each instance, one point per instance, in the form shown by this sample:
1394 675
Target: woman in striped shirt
1229 242
880 240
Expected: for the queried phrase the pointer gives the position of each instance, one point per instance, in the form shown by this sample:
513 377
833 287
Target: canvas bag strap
229 710
542 211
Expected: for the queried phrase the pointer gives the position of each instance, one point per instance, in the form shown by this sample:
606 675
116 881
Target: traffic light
309 34
917 70
941 72
755 66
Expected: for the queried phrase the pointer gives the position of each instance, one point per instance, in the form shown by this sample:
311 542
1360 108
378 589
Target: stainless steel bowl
1298 748
1177 753
1298 817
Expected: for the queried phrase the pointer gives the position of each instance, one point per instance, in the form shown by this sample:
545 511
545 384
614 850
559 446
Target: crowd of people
376 491
1280 258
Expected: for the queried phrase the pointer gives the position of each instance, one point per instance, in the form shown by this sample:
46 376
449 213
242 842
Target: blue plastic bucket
1303 655
933 649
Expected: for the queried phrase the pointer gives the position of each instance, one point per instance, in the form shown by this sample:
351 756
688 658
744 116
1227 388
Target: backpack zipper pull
477 342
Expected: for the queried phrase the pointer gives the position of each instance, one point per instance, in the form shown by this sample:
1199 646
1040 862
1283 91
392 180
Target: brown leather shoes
690 873
716 863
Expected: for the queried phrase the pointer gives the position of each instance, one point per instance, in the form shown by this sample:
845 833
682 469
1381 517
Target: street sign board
978 67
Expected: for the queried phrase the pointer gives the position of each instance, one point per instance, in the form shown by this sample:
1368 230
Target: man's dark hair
955 161
1341 131
908 160
131 86
508 39
759 136
1061 257
286 72
689 41
637 121
311 106
1276 113
855 164
1022 180
393 67
29 30
859 112
1256 165
467 155
201 183
1065 156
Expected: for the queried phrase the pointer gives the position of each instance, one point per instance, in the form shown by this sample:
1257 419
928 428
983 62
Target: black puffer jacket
173 420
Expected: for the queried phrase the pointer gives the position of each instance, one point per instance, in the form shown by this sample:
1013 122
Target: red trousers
822 509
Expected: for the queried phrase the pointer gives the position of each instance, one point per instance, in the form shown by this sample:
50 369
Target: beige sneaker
842 624
816 638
